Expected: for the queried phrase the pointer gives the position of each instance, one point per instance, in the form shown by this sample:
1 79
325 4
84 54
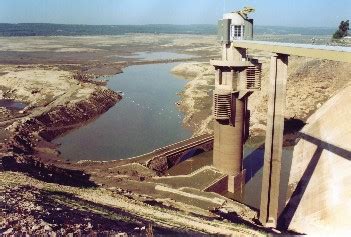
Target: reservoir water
12 104
145 119
149 56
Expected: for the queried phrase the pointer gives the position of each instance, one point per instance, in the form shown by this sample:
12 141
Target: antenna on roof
245 11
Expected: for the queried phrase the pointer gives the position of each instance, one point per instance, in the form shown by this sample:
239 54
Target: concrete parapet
236 183
218 186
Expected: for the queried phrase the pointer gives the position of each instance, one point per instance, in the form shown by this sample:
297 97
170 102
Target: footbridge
164 158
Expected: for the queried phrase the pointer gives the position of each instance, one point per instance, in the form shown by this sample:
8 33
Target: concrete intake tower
237 76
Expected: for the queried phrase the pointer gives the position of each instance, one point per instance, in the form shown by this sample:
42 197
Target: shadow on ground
47 173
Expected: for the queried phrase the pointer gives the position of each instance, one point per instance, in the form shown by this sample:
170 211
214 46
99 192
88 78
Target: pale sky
318 13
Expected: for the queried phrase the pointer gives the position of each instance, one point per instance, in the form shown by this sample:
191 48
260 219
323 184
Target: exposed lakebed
145 119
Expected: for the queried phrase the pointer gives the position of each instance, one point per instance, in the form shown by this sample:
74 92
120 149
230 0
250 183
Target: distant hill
44 29
283 30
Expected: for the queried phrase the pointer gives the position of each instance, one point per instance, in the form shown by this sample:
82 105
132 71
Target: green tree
342 31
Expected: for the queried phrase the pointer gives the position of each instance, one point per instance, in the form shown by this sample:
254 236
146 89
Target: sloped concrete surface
319 196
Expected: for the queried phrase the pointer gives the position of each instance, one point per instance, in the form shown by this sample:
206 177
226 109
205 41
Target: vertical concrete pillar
228 142
274 140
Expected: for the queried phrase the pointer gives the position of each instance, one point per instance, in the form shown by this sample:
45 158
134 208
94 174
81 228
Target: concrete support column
274 140
228 142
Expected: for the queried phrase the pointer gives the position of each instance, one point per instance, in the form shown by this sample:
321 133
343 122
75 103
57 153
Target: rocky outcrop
159 164
64 118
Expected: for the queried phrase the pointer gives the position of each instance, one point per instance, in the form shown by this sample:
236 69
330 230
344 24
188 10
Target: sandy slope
43 89
35 85
92 199
197 96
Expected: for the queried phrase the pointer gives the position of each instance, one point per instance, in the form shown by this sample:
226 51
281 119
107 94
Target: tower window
236 32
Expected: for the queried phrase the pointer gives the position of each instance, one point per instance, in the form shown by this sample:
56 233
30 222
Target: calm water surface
253 163
149 56
12 104
145 119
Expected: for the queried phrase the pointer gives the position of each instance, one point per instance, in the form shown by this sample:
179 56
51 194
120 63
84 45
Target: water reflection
253 163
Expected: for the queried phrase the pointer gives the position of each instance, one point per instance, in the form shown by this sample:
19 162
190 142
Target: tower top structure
235 26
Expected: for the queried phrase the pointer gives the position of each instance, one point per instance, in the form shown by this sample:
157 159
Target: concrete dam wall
319 196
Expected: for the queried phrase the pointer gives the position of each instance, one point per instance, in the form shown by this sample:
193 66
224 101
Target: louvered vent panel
254 77
222 106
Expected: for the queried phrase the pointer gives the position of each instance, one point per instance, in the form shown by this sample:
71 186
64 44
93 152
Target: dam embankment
320 192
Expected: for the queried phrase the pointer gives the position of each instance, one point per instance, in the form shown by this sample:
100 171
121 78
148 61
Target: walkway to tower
164 158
